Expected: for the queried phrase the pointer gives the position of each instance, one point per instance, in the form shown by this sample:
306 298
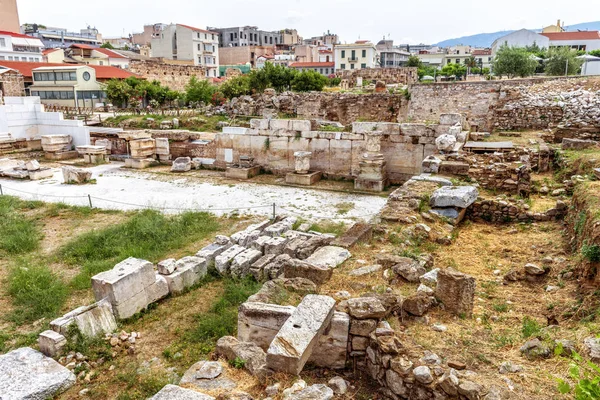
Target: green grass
329 227
19 234
530 328
147 234
36 292
140 386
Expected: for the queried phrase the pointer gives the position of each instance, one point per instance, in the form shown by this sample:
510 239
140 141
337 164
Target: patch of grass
18 234
530 328
237 363
36 292
591 252
140 386
344 208
500 307
94 348
147 234
329 227
331 128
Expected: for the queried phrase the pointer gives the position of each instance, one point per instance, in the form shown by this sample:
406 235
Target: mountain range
486 39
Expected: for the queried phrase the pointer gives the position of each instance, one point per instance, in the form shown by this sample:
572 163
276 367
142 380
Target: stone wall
403 76
12 84
494 210
532 103
342 107
272 143
174 76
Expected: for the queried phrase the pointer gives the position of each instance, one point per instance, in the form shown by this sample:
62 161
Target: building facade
59 37
584 40
521 38
86 54
359 55
17 47
9 16
151 31
186 43
323 68
391 56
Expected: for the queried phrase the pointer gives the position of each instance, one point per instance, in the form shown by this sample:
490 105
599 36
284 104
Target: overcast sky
404 21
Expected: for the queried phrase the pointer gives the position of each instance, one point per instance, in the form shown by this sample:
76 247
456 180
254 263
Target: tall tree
562 60
513 62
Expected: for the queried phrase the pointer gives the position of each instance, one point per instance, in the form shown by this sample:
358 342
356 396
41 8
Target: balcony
353 59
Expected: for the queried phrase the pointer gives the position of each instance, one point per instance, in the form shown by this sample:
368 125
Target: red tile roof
83 46
312 65
583 35
482 52
102 71
109 52
325 52
198 29
14 34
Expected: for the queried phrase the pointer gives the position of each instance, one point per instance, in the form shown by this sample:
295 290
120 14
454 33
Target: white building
185 43
585 40
521 38
17 47
359 55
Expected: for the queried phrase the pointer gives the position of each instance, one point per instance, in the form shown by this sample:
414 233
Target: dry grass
522 140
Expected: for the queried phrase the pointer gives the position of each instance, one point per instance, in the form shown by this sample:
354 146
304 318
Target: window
343 54
199 47
265 39
205 36
342 66
271 40
351 66
236 35
23 58
353 55
364 53
10 58
363 65
231 34
2 42
458 60
321 71
212 36
2 58
199 60
198 34
489 59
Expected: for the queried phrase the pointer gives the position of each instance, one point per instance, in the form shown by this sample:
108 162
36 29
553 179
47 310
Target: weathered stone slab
181 164
197 375
28 374
329 256
456 291
75 175
275 245
295 341
240 266
173 392
210 252
331 350
369 269
319 274
127 278
91 321
366 308
279 228
223 260
577 144
258 268
359 232
454 196
51 343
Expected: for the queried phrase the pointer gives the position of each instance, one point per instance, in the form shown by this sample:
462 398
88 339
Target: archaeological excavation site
439 242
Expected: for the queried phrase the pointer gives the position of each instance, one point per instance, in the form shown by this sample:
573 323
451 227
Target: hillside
486 39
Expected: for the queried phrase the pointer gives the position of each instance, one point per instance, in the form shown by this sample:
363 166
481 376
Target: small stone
533 269
209 370
439 328
509 368
551 288
338 385
457 365
431 358
273 390
423 375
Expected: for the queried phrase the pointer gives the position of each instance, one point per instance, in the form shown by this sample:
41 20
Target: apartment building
391 56
359 55
151 31
86 54
18 47
60 37
188 44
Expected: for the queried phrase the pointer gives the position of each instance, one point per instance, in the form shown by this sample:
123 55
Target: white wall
521 38
23 117
589 44
591 68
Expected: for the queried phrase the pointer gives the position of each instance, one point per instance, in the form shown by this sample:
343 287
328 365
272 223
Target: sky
411 22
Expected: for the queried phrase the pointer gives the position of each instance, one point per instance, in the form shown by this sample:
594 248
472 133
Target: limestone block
166 267
131 306
451 119
445 143
32 165
300 125
456 291
259 322
364 127
366 308
28 374
56 143
75 175
158 290
181 279
197 265
162 146
181 164
142 148
259 124
259 244
223 260
330 351
577 144
279 228
329 256
240 266
454 196
388 128
127 278
275 245
41 173
257 270
431 164
319 274
173 392
51 343
280 124
210 252
415 130
294 343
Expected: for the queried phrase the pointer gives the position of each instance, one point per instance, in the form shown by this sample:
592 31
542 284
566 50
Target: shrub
36 292
530 327
514 61
591 252
19 234
237 363
587 379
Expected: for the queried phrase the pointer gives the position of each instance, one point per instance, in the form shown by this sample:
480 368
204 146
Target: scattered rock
423 375
535 348
418 305
439 328
592 348
409 269
508 367
338 385
366 308
533 269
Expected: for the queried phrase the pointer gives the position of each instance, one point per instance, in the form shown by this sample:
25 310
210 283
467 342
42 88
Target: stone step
360 232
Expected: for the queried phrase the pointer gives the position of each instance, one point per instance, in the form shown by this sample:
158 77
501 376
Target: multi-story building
391 56
483 57
188 44
289 37
323 68
326 40
118 42
9 16
85 54
416 48
18 47
59 37
521 38
241 36
359 55
244 54
581 40
151 31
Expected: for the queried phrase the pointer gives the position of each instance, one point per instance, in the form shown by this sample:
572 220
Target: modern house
521 38
151 31
580 40
189 45
60 37
18 47
359 55
86 54
252 36
323 68
483 57
391 56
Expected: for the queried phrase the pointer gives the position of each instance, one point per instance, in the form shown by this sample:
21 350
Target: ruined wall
343 107
174 76
337 154
403 76
534 103
12 84
512 210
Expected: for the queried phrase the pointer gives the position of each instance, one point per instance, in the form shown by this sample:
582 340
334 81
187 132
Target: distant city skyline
414 23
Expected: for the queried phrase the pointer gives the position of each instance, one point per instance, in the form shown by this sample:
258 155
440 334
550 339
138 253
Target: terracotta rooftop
482 52
109 52
102 71
583 35
312 65
83 46
14 34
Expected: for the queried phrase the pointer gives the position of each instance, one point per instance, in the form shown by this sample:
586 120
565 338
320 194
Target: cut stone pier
28 374
456 291
93 154
223 260
294 343
75 175
91 320
51 343
302 175
245 169
373 173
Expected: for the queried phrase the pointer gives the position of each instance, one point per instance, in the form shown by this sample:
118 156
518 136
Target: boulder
430 278
318 274
313 392
431 165
329 256
409 269
456 291
253 356
423 375
535 348
366 308
207 375
181 164
28 374
454 196
445 143
592 348
577 144
418 304
76 175
338 385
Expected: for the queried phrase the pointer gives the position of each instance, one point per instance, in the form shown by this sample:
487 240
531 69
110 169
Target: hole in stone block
296 326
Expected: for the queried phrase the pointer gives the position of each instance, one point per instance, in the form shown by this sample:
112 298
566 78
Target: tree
514 61
414 61
308 80
118 92
455 70
258 80
107 45
562 60
426 70
471 62
595 53
279 77
197 91
235 87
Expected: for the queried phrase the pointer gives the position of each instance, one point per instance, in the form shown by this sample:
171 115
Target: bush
235 87
530 328
556 64
591 252
514 61
199 91
36 292
306 81
587 379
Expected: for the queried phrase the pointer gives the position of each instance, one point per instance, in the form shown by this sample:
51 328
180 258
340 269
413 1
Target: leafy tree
514 61
107 45
258 80
561 60
427 70
471 62
118 92
197 91
308 80
595 53
279 77
235 87
334 81
414 61
455 70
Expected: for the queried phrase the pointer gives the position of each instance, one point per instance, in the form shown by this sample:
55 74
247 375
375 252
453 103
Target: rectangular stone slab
294 343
